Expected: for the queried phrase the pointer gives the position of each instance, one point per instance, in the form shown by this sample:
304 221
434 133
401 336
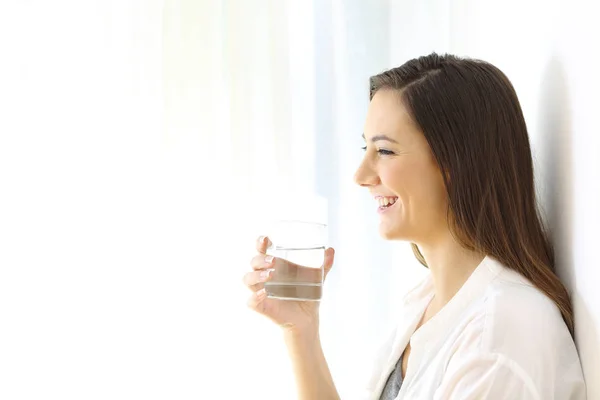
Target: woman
449 163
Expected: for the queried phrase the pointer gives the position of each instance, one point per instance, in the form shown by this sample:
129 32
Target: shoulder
513 318
514 329
519 317
510 315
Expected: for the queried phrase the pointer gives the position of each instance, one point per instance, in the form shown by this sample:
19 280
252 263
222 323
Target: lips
385 202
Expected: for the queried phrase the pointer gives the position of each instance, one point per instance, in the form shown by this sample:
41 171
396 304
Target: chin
393 233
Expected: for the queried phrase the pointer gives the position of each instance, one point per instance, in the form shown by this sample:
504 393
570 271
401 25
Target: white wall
549 51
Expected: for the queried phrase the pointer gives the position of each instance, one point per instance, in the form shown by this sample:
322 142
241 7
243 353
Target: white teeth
386 201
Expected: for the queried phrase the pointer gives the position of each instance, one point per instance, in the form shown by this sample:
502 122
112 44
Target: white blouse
499 337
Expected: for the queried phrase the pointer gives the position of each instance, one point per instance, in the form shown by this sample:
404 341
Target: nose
366 175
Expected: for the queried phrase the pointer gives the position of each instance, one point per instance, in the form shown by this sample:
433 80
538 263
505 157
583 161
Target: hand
289 314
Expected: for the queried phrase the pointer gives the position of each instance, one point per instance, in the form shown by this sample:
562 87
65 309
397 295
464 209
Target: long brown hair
471 117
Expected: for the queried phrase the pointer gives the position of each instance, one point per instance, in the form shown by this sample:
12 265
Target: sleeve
490 376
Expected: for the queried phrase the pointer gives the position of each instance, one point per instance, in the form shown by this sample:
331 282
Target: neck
450 265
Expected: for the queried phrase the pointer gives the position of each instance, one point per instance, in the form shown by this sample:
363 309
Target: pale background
144 143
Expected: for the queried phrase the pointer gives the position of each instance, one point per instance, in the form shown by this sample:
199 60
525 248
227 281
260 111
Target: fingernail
268 259
264 275
262 239
261 293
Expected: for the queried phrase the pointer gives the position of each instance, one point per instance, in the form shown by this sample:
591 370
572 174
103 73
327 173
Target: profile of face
401 173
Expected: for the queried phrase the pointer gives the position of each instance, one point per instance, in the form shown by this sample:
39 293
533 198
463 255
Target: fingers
262 261
262 244
328 261
255 279
285 270
257 300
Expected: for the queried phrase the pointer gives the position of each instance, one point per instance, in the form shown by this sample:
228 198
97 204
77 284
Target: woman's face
401 173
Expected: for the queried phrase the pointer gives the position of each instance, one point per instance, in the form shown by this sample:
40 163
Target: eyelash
382 152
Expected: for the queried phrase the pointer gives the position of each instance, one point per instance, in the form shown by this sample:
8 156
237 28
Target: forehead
388 115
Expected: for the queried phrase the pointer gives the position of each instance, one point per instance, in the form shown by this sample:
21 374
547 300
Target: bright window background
143 144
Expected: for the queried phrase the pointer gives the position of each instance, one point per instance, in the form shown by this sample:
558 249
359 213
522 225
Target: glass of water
299 248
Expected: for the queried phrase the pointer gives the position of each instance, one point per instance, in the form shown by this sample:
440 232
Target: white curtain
143 145
276 92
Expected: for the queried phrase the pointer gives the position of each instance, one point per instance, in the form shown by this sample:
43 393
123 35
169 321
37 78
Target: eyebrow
377 138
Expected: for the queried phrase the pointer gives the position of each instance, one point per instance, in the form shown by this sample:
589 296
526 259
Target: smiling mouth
385 202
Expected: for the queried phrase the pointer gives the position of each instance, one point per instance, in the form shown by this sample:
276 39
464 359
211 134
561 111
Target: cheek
433 195
418 184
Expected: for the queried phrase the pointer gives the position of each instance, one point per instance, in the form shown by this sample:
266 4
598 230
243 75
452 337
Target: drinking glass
299 248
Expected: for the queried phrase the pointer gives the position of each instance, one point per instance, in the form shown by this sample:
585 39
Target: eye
382 152
385 152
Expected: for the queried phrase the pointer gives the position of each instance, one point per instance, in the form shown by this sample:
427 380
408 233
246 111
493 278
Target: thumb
328 261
